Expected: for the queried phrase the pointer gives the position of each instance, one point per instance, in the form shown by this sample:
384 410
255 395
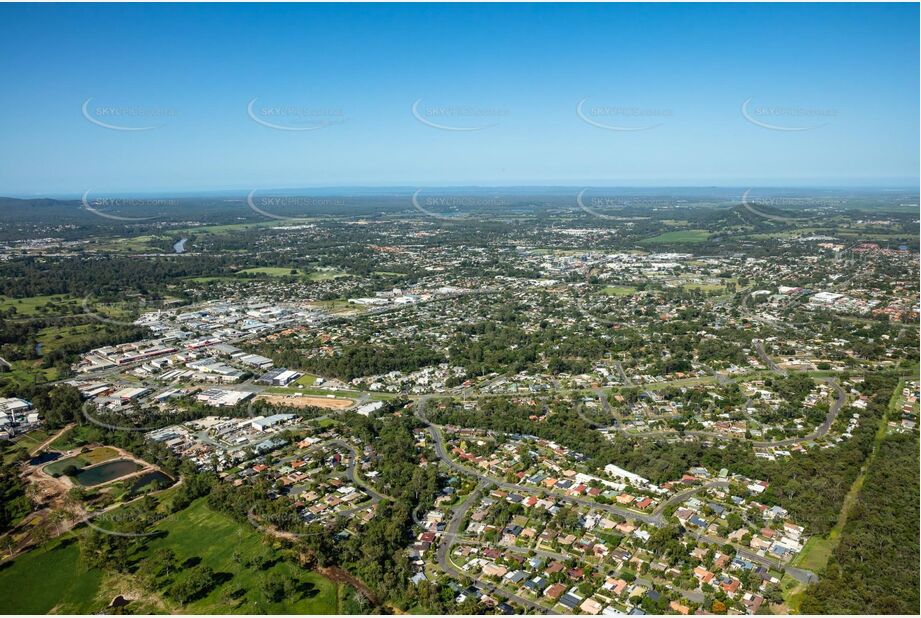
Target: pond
154 480
103 473
43 458
179 246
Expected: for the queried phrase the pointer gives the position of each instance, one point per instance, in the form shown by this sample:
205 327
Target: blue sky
832 94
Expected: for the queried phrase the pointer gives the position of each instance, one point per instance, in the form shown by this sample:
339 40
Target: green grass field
816 552
678 236
28 441
321 392
54 337
338 306
33 438
199 532
211 279
307 379
32 305
223 229
279 271
272 271
136 244
618 290
91 457
74 437
53 579
703 287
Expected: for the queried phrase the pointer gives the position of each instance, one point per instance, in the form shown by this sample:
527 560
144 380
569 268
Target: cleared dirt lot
302 401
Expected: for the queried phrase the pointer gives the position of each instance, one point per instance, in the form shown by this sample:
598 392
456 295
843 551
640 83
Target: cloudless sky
848 73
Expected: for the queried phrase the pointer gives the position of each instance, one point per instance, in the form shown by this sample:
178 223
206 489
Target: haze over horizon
207 98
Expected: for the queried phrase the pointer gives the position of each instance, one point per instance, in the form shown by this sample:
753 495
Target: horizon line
243 191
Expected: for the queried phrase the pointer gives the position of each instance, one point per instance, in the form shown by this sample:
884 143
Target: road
802 575
603 400
449 539
442 453
822 429
767 360
623 374
351 473
656 518
819 432
681 496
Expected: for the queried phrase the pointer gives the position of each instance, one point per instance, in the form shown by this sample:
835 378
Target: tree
196 583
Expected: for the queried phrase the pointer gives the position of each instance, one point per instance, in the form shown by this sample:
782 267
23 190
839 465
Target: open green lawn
223 229
678 236
99 455
321 392
281 271
815 554
33 438
136 244
32 305
211 279
618 290
74 437
199 532
338 306
90 458
27 441
272 271
703 287
26 373
51 579
54 337
308 379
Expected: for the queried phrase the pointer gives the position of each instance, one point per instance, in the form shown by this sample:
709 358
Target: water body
161 480
179 246
105 472
43 458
